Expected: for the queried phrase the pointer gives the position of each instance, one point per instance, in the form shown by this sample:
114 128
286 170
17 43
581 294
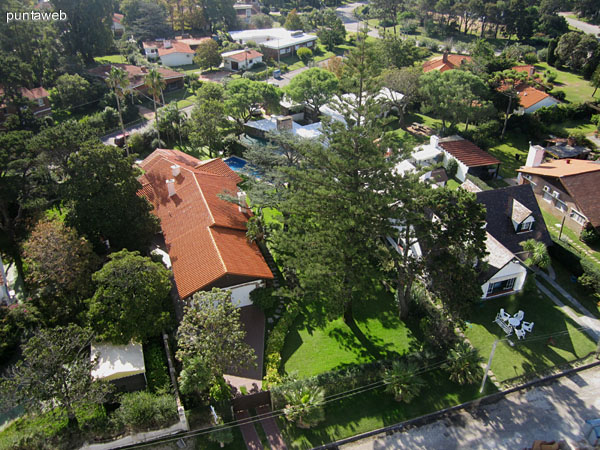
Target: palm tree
538 253
155 83
305 406
118 82
402 381
463 364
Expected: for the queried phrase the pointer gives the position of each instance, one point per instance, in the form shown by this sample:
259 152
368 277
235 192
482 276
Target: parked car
277 74
120 139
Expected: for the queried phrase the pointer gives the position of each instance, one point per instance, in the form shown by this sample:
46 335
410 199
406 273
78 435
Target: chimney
171 187
285 123
144 69
175 170
434 140
167 44
535 155
445 56
568 161
243 205
571 141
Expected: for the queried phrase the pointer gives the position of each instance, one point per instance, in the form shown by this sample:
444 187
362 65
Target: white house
241 59
470 158
243 11
276 42
171 53
260 128
504 273
427 154
385 98
532 99
123 365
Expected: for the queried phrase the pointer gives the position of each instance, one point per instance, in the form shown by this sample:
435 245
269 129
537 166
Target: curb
428 418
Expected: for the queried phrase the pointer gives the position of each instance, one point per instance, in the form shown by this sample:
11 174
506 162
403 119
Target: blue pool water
235 163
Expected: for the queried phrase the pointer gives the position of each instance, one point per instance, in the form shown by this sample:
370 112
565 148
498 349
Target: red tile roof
118 18
467 152
135 74
244 54
529 96
205 235
528 69
452 62
176 47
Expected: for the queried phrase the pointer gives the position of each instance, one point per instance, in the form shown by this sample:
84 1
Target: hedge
157 372
566 256
142 411
275 343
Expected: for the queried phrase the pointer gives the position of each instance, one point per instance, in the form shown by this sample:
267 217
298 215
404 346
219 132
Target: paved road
553 412
346 13
287 77
583 26
109 139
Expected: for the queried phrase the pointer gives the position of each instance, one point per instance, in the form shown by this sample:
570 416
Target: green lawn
514 144
572 125
380 334
375 409
453 184
564 278
535 353
576 88
110 59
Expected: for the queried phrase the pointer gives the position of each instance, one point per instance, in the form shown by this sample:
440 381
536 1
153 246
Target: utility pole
561 227
489 364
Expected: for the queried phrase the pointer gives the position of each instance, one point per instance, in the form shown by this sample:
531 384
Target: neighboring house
470 158
502 272
447 61
404 167
117 24
528 69
122 365
513 216
241 59
565 188
566 149
436 178
171 53
136 74
39 106
276 42
243 11
205 235
385 98
427 154
532 99
193 42
260 128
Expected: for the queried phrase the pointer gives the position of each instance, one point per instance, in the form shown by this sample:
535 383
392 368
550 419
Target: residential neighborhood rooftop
448 61
242 55
467 152
204 234
135 74
168 46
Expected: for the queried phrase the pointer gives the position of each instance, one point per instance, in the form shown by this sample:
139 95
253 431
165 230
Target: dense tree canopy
315 87
208 54
55 369
211 330
244 97
131 298
102 193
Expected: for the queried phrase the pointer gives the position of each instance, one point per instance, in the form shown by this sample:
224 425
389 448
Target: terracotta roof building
171 52
471 159
241 59
532 99
447 61
136 74
38 96
564 187
205 235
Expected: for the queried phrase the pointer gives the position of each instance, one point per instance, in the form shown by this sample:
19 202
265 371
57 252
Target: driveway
352 25
552 412
583 26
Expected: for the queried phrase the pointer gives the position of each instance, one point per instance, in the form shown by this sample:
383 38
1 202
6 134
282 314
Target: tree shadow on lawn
549 341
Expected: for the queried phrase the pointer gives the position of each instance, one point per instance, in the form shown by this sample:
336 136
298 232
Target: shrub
463 364
140 411
543 54
530 58
305 406
591 276
561 252
275 343
550 75
559 95
452 168
402 382
157 372
263 298
590 235
305 54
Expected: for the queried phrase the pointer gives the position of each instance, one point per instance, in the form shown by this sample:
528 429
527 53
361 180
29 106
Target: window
527 226
561 206
509 284
40 101
578 217
547 197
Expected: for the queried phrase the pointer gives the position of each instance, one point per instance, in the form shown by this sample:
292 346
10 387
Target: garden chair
520 333
504 315
527 326
519 315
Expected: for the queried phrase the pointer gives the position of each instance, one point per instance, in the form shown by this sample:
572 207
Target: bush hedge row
275 343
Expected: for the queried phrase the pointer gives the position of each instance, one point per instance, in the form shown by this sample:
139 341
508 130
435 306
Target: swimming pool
235 163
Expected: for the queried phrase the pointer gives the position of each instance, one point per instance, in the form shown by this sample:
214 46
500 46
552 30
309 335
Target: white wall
513 269
461 173
177 59
526 221
240 294
548 101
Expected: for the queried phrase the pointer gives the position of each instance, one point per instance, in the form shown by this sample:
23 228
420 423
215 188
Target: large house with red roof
39 104
136 75
170 52
205 236
241 59
565 188
447 61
